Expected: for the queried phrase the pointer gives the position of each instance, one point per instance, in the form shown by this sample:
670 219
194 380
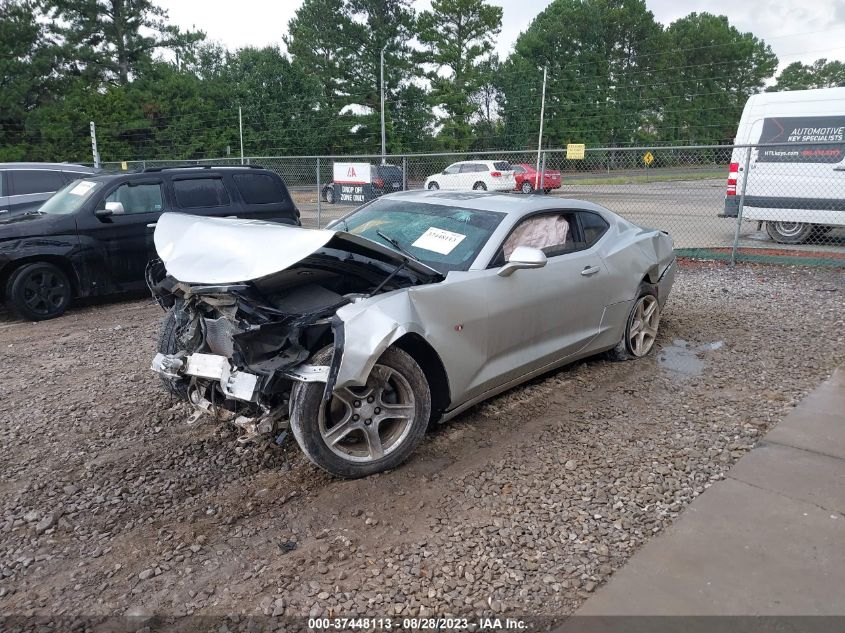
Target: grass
645 178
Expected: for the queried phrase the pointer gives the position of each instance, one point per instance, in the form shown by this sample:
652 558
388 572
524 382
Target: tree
456 36
598 54
26 77
114 40
820 74
708 69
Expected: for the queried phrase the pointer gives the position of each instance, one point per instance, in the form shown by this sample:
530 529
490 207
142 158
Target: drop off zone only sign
354 182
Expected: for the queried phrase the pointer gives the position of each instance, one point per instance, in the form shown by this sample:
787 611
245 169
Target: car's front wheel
330 195
433 185
363 430
38 291
790 232
526 187
640 328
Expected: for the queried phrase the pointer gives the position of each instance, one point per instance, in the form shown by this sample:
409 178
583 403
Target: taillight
733 174
378 182
495 174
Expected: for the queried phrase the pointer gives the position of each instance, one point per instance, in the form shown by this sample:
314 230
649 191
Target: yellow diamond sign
648 158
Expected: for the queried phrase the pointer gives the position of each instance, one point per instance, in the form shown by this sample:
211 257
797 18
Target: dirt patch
110 503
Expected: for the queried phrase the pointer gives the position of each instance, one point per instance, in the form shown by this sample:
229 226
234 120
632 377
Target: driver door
126 237
538 317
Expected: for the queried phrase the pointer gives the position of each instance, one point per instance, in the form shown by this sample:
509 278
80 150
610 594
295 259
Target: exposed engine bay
234 351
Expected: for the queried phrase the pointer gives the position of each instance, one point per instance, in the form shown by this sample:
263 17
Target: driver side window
144 198
551 232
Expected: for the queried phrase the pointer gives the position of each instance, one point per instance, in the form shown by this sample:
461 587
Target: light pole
540 140
383 141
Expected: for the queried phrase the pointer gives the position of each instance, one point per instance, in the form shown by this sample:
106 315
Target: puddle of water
683 359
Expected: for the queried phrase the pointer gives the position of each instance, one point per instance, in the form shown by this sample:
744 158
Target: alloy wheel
644 323
364 424
44 292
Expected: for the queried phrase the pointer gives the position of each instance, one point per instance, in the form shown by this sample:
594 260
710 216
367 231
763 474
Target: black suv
95 235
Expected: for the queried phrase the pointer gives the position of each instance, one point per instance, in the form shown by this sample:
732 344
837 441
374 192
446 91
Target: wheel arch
62 263
432 366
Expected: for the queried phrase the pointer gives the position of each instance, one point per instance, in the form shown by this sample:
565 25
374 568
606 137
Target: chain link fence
766 203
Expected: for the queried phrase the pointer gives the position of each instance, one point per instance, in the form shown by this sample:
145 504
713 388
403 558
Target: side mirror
110 209
523 257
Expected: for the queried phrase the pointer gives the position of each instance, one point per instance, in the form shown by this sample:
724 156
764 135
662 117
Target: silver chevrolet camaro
406 312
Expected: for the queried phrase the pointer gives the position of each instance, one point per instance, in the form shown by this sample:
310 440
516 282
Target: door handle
152 225
590 270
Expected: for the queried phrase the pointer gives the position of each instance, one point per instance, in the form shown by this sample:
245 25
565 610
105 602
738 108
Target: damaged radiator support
234 384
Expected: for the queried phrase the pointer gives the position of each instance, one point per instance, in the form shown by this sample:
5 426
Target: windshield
444 238
70 198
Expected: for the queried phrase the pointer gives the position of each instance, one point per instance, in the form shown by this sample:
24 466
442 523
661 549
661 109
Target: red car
527 178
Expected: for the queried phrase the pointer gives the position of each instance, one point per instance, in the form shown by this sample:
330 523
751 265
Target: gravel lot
110 504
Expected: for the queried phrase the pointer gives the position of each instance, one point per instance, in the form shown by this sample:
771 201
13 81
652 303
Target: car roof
507 203
178 171
60 166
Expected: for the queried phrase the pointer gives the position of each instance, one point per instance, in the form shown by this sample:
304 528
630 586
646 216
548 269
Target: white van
798 187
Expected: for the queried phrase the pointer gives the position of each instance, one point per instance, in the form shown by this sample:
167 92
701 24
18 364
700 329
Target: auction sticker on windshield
83 187
439 240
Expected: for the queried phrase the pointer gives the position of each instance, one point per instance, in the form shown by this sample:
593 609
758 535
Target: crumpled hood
204 250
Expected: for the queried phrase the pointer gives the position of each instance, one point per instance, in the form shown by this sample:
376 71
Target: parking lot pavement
110 503
766 541
688 210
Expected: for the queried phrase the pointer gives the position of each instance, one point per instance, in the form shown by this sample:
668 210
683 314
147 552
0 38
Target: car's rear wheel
641 327
330 195
526 187
479 186
38 291
363 430
547 191
789 232
433 185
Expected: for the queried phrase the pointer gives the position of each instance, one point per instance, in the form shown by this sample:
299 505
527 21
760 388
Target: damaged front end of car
234 347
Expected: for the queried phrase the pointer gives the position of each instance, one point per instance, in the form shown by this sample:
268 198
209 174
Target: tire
637 342
330 195
547 191
397 376
433 185
790 232
479 186
526 187
168 343
38 291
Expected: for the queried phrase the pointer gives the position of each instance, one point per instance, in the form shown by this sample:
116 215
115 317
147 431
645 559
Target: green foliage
615 77
820 74
456 36
707 73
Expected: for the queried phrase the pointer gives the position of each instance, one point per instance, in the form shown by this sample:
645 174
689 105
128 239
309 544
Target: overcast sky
797 30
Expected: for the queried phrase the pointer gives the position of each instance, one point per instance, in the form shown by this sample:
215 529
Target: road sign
575 151
648 158
124 166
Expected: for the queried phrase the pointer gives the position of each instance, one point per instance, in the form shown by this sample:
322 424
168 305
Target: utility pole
540 140
241 131
94 150
383 142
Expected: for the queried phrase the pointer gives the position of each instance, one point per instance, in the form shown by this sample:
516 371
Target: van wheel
39 291
363 430
789 232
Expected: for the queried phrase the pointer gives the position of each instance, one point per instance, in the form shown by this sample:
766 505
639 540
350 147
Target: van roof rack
154 169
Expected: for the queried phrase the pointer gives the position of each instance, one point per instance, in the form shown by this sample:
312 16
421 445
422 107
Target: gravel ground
110 504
